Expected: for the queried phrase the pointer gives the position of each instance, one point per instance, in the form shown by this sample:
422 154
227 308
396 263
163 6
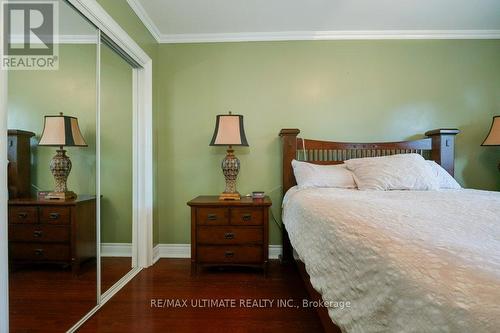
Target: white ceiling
226 20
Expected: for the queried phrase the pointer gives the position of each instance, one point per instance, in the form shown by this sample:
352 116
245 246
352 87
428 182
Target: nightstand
62 232
229 233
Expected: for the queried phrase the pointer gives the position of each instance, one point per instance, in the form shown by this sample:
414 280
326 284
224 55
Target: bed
398 265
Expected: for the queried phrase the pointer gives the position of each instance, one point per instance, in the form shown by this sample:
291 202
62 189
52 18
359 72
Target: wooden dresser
229 232
19 170
52 231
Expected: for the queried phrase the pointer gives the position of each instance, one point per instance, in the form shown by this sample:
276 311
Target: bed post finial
289 138
443 147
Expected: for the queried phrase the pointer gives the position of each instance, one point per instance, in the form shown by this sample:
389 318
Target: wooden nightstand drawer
23 214
40 251
230 254
232 232
38 233
212 216
247 216
43 231
54 215
230 235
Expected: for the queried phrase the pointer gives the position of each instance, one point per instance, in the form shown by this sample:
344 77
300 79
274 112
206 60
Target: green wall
128 20
116 148
72 90
335 90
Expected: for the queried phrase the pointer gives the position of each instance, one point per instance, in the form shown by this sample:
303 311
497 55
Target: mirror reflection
52 184
116 112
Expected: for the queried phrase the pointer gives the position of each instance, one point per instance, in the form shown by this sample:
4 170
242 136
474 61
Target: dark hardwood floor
45 298
170 279
49 298
112 270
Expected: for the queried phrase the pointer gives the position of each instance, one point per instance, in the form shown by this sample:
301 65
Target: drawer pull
39 252
54 216
229 235
37 233
229 254
247 217
23 215
212 217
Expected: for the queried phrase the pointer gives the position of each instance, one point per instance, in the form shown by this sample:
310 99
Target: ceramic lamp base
230 168
229 196
60 166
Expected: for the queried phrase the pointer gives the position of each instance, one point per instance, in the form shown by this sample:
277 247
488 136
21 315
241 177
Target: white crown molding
305 35
78 39
64 39
144 17
328 35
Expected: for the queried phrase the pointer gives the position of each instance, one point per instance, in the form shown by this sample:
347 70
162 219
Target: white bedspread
408 261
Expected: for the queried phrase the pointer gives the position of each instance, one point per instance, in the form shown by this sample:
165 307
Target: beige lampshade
62 131
229 131
493 138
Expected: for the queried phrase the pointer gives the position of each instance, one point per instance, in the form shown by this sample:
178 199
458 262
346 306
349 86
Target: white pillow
314 175
395 172
445 180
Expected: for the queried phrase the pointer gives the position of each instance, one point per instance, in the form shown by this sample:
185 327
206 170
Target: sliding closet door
52 243
116 166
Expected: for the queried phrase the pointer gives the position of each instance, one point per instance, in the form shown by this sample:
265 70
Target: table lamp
61 131
229 132
493 137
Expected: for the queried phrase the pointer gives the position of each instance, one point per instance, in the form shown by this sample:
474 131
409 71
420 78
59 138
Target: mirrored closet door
52 119
116 165
73 242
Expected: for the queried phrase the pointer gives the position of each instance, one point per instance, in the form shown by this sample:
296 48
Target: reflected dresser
19 167
56 232
229 233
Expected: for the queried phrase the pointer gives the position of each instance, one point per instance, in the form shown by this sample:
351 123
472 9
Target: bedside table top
35 201
213 200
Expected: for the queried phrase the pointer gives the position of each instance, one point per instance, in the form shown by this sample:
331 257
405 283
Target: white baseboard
156 253
116 250
174 250
165 250
275 251
184 251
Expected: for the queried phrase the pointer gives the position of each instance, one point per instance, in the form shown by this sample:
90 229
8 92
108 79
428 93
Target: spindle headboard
437 145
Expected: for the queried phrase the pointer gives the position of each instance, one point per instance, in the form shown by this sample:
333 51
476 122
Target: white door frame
143 158
4 261
143 126
142 220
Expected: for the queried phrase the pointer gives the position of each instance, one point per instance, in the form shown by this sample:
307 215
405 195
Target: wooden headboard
438 145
